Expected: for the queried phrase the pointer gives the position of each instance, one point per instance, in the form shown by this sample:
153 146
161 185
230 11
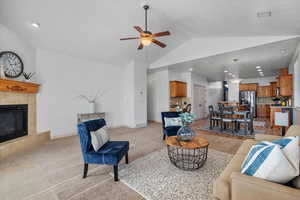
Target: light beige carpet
155 177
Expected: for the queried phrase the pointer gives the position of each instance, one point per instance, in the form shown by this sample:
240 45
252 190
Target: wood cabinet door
286 85
252 87
183 89
243 87
268 91
173 90
178 89
260 91
273 89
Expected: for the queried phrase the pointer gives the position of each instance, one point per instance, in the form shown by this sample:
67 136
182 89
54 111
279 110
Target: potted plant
28 76
92 100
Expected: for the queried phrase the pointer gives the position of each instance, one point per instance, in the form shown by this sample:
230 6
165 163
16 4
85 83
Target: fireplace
13 121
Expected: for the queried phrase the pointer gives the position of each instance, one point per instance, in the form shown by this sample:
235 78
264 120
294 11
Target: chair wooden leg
126 158
116 178
85 170
164 136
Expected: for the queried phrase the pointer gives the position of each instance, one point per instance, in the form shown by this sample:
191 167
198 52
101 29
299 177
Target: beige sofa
232 185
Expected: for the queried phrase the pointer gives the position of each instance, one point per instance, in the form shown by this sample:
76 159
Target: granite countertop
282 107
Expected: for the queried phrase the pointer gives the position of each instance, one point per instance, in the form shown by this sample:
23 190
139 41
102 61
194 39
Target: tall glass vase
185 133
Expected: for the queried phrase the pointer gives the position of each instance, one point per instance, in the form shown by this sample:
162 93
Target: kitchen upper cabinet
274 89
286 85
248 87
178 89
264 91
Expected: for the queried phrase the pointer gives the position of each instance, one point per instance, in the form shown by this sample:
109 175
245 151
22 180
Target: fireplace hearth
13 121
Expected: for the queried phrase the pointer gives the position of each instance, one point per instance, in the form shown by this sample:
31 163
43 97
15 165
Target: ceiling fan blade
140 46
139 29
130 38
160 34
162 45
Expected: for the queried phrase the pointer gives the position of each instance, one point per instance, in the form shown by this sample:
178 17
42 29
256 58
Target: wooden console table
82 117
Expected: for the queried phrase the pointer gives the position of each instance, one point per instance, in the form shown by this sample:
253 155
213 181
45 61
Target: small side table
187 155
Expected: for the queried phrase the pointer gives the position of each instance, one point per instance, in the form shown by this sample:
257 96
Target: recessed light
225 71
264 14
190 69
258 67
35 24
259 70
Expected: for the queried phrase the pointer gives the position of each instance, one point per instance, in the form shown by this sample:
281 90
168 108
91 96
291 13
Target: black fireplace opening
13 121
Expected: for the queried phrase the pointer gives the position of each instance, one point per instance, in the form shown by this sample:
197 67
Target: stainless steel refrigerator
249 98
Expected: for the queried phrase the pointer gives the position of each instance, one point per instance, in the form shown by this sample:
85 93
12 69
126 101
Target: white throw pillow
276 161
173 121
99 138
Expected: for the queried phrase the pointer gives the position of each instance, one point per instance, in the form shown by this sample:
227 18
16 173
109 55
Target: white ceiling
92 28
270 57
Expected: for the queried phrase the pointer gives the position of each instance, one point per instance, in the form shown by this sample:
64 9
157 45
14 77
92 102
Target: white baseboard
54 137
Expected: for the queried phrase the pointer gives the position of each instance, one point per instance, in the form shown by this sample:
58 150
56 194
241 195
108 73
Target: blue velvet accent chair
171 130
109 154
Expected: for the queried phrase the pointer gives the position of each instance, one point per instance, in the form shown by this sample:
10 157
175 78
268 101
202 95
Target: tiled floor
53 171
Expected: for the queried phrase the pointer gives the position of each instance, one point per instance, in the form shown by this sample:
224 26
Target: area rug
156 178
239 134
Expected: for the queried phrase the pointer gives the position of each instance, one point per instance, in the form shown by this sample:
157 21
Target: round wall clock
13 65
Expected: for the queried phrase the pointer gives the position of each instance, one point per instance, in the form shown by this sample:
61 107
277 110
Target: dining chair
227 119
247 121
214 119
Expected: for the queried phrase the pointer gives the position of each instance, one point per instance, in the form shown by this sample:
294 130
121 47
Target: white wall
135 93
9 41
197 79
203 47
262 81
140 84
158 94
294 68
215 93
128 92
63 78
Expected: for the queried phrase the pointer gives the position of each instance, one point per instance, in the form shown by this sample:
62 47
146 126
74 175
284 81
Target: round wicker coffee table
187 155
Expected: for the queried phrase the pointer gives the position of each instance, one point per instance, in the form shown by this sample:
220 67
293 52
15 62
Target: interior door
199 101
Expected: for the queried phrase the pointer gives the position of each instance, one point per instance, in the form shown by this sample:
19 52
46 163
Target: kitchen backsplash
179 101
264 100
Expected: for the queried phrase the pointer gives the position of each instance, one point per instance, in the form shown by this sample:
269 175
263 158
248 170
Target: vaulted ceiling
92 28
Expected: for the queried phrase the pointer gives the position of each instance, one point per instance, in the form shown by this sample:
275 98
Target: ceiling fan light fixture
146 41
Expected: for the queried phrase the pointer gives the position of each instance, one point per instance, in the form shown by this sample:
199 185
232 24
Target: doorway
199 101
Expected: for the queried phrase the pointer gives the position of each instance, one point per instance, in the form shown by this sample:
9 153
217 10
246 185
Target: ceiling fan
146 37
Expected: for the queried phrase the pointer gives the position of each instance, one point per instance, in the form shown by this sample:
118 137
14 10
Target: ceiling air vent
264 14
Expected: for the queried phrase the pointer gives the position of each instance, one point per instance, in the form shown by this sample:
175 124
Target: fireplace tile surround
33 139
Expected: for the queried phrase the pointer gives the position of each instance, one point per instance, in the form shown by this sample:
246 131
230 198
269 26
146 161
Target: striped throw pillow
272 161
173 121
99 138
